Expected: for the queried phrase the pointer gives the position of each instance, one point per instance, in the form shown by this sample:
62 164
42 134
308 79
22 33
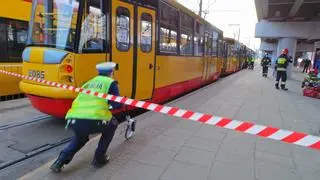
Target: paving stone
138 171
274 158
195 156
169 143
211 132
267 171
203 143
155 156
308 174
230 171
304 157
179 133
230 157
188 125
241 137
238 146
275 147
227 111
179 170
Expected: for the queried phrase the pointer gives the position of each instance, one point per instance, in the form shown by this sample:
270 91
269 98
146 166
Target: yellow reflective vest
90 107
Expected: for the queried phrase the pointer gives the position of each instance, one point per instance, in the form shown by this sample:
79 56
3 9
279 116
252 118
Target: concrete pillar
274 58
291 45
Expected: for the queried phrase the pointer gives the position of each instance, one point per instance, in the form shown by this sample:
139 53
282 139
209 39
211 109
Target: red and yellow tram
161 48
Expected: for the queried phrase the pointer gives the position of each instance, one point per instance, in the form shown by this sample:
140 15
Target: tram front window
54 23
93 27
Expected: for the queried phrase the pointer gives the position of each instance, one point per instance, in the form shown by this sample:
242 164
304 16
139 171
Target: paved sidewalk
169 148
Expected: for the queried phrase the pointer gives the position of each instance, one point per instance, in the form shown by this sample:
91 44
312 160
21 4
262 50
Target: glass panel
16 39
215 37
186 43
3 41
169 29
93 28
199 40
146 32
54 23
123 29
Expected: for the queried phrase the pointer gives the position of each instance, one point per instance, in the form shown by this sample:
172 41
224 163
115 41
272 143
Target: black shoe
60 162
277 87
100 162
285 89
57 166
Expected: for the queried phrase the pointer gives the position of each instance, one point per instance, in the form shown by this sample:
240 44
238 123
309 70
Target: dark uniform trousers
283 76
265 70
82 129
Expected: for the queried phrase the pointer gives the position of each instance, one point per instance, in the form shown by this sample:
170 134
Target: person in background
265 62
306 66
91 115
282 65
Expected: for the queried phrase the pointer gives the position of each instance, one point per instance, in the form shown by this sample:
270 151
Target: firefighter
265 62
91 115
282 64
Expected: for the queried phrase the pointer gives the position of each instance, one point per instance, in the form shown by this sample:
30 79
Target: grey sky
222 13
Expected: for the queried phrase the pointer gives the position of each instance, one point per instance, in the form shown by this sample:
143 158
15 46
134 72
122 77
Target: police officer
282 64
90 115
265 62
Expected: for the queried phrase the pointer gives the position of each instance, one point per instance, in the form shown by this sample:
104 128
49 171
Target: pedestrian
282 64
91 115
265 62
306 66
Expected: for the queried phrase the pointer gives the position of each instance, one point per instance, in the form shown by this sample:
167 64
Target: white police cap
106 66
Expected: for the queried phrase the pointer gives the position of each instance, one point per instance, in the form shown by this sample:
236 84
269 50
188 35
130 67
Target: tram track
35 152
19 124
26 140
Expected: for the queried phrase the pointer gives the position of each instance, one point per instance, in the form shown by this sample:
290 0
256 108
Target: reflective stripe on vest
90 107
282 60
281 64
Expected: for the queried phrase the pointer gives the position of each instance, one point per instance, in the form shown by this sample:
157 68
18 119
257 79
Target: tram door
133 48
145 52
122 45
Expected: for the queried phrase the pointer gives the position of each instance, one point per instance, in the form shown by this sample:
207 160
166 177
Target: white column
291 45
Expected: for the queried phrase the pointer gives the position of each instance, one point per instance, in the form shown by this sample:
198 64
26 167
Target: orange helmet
285 51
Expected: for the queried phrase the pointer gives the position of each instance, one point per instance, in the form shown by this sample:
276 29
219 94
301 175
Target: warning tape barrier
268 132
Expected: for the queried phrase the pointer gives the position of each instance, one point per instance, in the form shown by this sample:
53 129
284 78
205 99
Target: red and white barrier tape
290 137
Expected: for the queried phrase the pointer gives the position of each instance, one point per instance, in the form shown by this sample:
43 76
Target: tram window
93 29
199 40
186 43
12 41
208 44
215 37
146 33
123 29
220 48
17 36
169 29
54 24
